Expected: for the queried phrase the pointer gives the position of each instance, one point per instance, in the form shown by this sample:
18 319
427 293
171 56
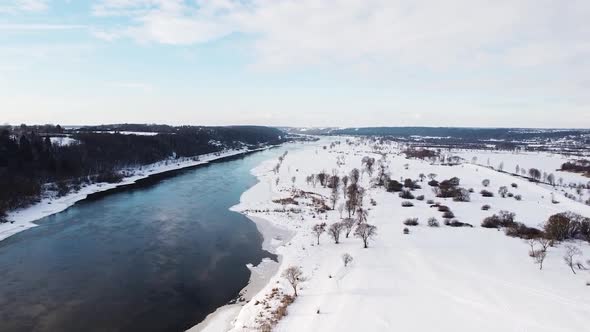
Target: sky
336 63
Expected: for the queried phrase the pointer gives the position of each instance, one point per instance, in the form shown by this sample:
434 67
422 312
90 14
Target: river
155 256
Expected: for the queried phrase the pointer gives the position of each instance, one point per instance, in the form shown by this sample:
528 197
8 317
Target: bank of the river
23 219
274 237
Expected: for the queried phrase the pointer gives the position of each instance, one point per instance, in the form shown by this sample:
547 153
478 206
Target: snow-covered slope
433 279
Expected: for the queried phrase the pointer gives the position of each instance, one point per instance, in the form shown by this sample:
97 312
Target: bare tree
294 276
551 179
571 252
362 215
344 181
540 257
346 258
503 191
368 162
365 232
350 206
535 174
422 177
485 182
334 197
335 230
432 176
544 243
354 176
318 229
531 243
348 225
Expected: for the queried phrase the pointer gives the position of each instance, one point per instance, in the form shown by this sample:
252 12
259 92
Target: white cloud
16 6
39 27
424 33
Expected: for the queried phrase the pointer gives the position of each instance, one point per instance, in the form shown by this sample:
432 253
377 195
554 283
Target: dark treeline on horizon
29 159
462 133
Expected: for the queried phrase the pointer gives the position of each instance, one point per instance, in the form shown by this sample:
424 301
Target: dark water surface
158 256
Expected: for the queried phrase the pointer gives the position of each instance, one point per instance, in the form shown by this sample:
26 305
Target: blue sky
299 63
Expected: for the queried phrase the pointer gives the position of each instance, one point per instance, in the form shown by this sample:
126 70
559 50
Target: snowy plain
433 279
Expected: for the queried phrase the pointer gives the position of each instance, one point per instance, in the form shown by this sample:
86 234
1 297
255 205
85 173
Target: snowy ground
433 279
23 219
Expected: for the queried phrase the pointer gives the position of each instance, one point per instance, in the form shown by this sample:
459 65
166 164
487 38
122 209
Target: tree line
30 163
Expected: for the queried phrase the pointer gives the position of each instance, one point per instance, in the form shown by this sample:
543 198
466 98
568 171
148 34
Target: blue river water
156 256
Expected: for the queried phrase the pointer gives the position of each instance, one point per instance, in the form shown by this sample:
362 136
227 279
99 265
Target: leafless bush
448 215
348 225
335 230
571 252
432 222
411 222
318 230
347 259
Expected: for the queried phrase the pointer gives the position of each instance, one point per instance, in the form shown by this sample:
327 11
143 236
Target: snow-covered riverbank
434 278
23 219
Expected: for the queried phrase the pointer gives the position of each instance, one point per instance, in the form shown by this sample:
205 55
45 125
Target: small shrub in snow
570 253
486 193
411 222
346 259
406 194
462 195
448 215
420 198
514 185
443 208
433 183
432 222
502 191
485 182
510 195
518 197
393 186
491 222
457 223
502 219
430 201
522 231
406 230
486 207
407 204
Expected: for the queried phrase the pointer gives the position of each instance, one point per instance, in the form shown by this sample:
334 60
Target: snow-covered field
433 279
23 219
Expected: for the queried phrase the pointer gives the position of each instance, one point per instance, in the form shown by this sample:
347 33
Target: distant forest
33 158
462 133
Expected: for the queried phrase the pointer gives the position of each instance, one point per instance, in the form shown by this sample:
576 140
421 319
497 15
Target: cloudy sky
518 63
